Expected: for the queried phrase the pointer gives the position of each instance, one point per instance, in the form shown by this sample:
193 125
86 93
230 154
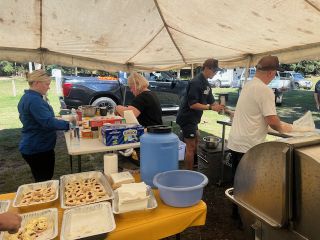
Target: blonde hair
138 81
37 76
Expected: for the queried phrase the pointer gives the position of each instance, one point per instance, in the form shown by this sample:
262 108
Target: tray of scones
38 225
40 194
84 188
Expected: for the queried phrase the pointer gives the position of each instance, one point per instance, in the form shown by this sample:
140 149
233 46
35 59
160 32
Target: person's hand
286 127
229 112
117 110
217 107
318 107
10 222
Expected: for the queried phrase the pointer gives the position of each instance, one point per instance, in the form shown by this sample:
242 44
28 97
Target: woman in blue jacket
39 127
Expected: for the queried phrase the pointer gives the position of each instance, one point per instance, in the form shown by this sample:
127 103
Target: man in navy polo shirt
198 97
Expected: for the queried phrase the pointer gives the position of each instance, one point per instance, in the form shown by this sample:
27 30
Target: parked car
298 79
97 91
224 78
279 84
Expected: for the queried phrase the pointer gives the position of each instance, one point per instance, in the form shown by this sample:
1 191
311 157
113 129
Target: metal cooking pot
211 142
88 110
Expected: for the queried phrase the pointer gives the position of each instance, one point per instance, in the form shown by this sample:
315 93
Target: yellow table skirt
159 223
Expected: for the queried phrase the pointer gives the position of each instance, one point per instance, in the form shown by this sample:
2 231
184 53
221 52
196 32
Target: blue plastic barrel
159 151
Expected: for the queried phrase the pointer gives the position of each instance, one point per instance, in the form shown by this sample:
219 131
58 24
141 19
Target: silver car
298 79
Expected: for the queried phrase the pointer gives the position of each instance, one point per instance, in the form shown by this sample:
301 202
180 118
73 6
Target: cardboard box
121 134
86 133
98 122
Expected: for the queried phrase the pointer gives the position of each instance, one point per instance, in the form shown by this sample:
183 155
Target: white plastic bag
304 124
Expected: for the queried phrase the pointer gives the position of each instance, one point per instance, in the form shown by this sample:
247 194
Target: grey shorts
189 131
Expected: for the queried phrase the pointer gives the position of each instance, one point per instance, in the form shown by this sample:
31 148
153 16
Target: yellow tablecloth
159 223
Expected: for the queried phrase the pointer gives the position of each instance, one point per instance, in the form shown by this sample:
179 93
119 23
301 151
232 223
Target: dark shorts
189 131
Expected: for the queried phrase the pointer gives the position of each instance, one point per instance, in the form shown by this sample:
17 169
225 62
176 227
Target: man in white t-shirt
255 111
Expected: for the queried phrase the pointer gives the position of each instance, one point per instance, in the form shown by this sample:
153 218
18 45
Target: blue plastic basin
180 188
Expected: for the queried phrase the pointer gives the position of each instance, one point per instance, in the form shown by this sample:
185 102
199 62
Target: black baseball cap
212 64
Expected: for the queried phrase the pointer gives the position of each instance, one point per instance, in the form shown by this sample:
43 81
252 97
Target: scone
117 179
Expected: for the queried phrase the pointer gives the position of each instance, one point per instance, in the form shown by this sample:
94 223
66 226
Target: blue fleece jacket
39 124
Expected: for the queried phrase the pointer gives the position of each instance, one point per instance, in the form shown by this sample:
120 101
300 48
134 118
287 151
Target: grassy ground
14 171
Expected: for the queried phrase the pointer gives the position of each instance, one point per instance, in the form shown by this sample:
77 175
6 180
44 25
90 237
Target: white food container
152 202
101 178
51 214
86 221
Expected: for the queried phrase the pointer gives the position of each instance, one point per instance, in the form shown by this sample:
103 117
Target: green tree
6 68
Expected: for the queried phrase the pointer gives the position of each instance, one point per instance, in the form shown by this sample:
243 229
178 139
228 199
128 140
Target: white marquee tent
157 34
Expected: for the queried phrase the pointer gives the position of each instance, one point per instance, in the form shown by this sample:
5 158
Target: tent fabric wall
158 34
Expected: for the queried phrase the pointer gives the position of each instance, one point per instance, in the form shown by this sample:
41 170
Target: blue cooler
159 151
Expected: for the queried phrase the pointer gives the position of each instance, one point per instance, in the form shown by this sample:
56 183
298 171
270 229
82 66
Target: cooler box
121 134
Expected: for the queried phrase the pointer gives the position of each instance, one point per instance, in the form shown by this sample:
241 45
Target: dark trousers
235 159
41 164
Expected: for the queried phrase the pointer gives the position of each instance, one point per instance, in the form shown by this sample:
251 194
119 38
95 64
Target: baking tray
28 187
152 202
65 179
75 221
50 213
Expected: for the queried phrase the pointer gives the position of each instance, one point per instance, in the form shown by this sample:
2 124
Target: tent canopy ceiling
158 34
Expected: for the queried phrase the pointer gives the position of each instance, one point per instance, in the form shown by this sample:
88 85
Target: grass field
14 171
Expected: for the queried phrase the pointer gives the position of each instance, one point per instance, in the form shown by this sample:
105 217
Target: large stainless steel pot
277 183
88 110
211 142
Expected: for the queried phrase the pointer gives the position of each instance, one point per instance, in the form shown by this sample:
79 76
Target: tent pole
246 74
192 71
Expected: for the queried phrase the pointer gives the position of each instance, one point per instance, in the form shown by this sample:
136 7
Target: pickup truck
97 91
279 84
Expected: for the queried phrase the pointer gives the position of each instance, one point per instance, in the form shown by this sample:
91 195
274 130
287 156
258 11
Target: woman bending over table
145 105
